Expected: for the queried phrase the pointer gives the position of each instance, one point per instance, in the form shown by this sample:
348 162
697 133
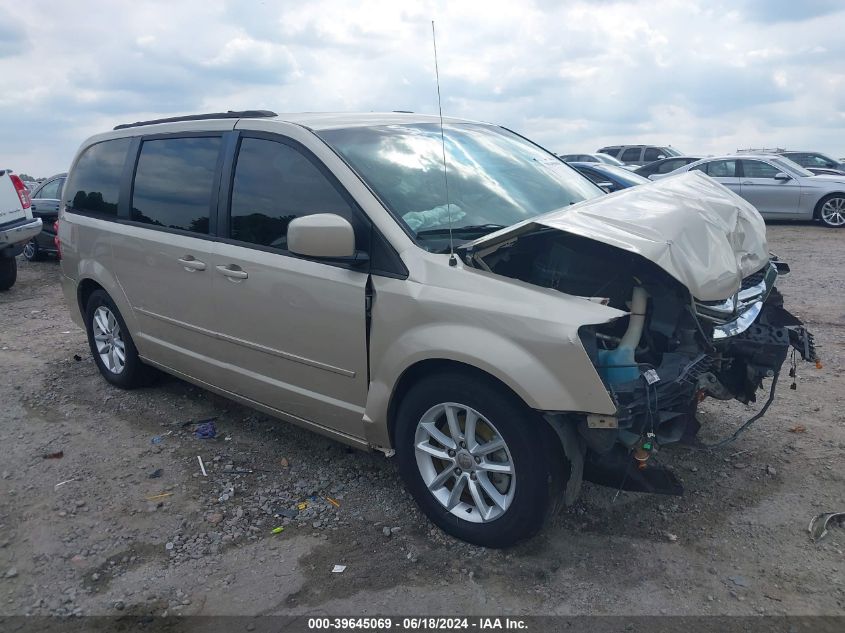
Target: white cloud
707 76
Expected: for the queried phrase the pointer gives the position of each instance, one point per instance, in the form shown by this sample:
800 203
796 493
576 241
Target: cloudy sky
705 76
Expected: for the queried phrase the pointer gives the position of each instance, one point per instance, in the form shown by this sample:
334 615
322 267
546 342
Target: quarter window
173 183
94 184
275 183
631 155
758 169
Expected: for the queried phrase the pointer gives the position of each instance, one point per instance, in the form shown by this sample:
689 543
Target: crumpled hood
698 231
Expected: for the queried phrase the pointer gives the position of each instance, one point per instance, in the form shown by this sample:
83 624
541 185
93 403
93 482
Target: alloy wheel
108 339
465 462
833 212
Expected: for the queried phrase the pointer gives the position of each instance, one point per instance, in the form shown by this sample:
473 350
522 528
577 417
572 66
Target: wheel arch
430 366
84 289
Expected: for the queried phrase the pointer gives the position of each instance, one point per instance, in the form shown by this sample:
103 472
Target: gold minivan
447 291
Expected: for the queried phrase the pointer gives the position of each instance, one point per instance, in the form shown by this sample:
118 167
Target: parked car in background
779 188
639 154
664 166
609 177
807 160
506 338
46 200
824 171
17 226
591 158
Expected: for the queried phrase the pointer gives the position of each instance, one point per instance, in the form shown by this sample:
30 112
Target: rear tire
831 211
111 344
8 272
454 474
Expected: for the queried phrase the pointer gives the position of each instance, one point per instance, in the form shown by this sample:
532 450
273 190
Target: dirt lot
736 543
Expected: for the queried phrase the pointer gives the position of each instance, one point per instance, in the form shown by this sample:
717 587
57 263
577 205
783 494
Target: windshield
671 151
495 177
609 160
791 166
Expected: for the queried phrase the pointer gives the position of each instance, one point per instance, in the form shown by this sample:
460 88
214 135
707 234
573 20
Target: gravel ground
125 521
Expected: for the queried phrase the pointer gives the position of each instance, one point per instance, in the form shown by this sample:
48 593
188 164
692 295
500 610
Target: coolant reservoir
619 365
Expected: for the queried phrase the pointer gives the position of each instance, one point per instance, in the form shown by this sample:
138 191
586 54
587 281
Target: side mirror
608 186
324 236
782 176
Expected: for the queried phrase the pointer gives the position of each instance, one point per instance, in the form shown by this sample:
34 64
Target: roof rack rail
230 114
761 150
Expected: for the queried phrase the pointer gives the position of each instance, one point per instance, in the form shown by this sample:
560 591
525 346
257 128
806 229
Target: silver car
778 187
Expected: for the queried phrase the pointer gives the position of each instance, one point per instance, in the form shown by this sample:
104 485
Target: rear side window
94 184
610 151
275 183
630 155
51 190
173 183
722 169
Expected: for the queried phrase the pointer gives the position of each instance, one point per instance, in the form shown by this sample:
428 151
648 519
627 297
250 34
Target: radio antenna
452 260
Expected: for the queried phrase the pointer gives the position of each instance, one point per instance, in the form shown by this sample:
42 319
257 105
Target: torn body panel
671 350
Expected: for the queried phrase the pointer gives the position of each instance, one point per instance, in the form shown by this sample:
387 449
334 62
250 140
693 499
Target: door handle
747 182
191 263
233 273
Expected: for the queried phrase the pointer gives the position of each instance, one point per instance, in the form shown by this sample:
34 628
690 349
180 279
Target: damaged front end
673 349
687 352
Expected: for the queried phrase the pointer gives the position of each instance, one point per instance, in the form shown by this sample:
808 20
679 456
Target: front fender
545 379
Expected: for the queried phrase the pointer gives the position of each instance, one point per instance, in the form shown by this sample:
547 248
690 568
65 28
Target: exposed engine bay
661 360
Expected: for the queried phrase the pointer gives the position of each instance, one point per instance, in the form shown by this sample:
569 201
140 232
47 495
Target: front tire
483 466
8 272
831 211
111 344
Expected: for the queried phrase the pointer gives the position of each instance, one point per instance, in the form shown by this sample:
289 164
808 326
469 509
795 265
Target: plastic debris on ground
202 466
158 439
334 502
56 455
277 530
338 569
798 428
206 430
819 524
62 483
155 474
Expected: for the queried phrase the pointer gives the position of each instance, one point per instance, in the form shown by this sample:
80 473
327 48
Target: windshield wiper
462 230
